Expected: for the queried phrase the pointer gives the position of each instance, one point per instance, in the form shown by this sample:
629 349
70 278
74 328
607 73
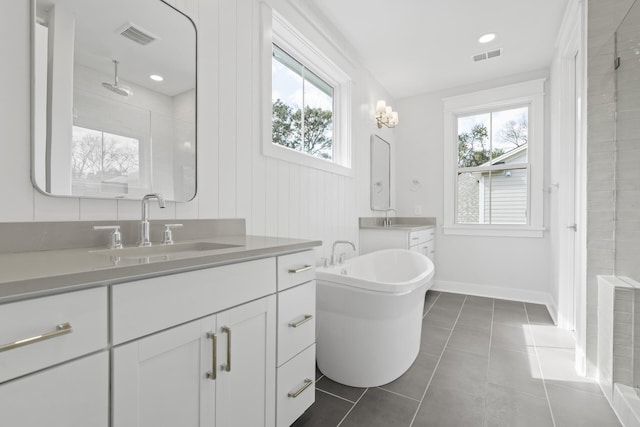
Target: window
493 164
302 107
103 162
309 117
492 167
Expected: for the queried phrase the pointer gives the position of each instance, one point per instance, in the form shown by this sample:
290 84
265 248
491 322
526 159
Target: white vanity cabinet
203 373
246 354
54 369
225 346
296 358
423 241
74 394
416 239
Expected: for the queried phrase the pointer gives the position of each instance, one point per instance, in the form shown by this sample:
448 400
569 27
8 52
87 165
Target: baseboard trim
500 292
626 405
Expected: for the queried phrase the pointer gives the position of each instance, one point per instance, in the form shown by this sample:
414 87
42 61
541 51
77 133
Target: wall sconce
385 115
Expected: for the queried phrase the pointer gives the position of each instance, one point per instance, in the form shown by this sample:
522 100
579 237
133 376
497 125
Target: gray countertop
33 274
398 223
406 227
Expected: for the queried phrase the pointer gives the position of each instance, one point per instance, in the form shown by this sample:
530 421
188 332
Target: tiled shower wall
628 146
604 17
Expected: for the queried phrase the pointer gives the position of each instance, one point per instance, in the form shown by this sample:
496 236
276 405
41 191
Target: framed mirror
380 174
113 99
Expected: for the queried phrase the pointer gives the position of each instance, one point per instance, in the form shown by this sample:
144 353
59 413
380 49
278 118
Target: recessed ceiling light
487 38
156 77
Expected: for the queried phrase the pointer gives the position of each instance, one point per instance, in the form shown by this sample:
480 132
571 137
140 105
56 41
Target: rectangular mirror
380 174
113 99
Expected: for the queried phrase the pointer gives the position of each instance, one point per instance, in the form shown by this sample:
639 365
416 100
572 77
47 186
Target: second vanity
202 338
413 233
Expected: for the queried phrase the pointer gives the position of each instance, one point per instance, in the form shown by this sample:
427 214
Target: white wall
506 267
234 178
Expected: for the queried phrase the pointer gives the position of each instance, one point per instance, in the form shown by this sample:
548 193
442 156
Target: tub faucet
387 220
334 257
144 223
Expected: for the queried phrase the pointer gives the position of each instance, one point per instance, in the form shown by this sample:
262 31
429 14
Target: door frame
572 286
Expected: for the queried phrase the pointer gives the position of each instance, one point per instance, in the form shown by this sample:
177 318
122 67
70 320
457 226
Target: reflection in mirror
380 174
114 99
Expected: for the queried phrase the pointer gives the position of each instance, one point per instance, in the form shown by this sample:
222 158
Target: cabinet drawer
74 394
296 320
420 236
295 269
61 327
296 378
150 305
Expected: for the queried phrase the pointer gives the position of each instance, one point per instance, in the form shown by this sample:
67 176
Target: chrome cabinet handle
61 329
306 267
305 319
212 374
227 366
307 383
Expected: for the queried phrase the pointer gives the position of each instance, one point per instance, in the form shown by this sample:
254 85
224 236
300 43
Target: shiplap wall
235 180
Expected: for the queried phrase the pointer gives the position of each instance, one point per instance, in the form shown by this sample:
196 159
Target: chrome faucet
144 224
387 220
334 258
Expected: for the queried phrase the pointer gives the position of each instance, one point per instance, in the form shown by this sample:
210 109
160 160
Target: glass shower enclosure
627 170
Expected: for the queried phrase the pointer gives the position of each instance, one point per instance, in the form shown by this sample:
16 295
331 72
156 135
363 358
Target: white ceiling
418 46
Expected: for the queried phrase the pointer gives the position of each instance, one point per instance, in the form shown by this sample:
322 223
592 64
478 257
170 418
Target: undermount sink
159 250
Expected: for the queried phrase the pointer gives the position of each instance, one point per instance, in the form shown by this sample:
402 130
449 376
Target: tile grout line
351 409
431 306
439 359
335 395
535 349
486 382
398 394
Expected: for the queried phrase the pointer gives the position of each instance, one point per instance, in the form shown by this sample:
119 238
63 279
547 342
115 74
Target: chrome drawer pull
305 319
61 329
307 383
212 374
227 366
306 267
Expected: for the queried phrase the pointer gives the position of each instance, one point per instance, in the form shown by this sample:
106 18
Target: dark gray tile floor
482 362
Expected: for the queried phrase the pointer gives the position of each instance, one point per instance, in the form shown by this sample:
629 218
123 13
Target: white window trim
530 93
276 29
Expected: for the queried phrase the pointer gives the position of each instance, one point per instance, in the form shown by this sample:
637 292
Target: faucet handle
116 237
167 237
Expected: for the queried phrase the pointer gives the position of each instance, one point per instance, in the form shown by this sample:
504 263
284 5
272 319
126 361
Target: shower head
115 87
120 90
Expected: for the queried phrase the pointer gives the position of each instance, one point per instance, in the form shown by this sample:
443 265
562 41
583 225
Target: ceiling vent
487 55
137 34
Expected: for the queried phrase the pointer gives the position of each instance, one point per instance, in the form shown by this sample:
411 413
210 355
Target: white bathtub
369 316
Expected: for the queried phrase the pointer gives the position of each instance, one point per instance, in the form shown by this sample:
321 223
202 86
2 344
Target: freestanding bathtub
369 316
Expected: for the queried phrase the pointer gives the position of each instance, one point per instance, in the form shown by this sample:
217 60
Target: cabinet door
74 394
245 388
162 380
